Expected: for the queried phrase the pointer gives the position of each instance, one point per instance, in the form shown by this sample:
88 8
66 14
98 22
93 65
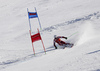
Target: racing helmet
55 36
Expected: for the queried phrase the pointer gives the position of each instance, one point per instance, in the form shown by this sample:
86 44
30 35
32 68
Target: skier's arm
65 37
62 37
54 45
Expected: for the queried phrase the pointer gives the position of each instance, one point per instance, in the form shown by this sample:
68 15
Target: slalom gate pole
72 34
29 19
43 45
42 42
32 43
38 19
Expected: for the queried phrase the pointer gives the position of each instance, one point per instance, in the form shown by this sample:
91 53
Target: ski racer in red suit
59 41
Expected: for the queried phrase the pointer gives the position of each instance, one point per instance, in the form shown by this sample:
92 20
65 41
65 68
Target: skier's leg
62 42
69 45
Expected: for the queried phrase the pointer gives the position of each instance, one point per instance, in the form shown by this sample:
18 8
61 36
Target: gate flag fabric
32 15
36 37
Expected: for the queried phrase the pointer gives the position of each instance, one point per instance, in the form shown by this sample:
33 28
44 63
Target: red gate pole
32 42
42 42
43 45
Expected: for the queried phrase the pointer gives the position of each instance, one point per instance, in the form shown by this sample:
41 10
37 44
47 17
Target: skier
59 41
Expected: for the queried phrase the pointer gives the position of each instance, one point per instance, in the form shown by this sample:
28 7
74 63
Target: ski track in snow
95 15
89 17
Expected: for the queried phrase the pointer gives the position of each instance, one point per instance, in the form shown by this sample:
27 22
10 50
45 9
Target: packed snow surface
79 20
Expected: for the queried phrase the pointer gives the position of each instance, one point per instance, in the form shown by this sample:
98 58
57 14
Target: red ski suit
59 41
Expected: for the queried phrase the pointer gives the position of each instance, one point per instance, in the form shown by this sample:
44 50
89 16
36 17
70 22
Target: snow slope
60 17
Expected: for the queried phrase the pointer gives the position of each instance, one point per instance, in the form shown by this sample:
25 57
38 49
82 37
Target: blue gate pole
38 19
29 19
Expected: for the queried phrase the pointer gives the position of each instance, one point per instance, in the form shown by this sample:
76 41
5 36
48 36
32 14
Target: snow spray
87 33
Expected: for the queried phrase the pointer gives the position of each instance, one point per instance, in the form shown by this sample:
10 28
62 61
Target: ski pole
72 34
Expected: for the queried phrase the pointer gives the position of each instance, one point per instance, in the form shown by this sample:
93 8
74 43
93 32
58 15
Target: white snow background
57 17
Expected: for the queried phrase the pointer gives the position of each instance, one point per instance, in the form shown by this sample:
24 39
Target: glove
65 37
